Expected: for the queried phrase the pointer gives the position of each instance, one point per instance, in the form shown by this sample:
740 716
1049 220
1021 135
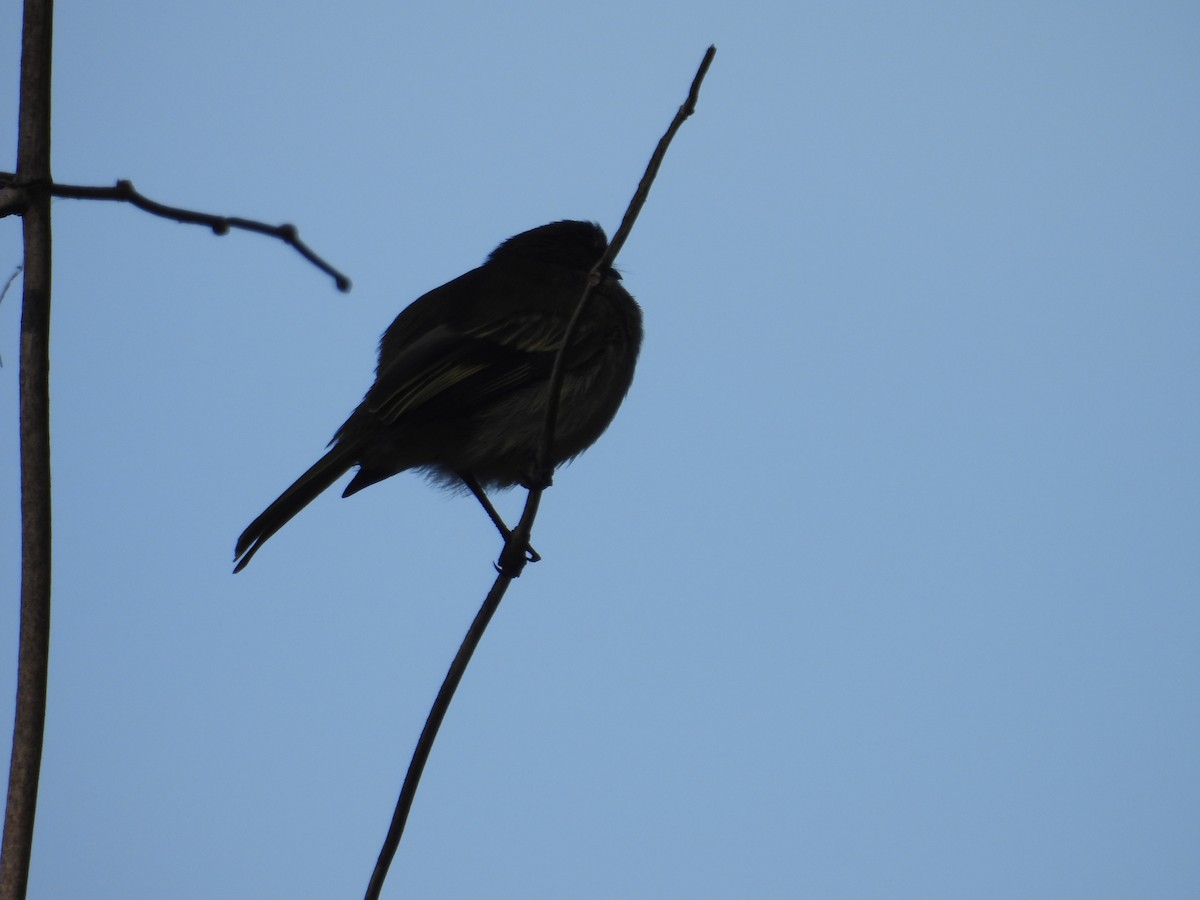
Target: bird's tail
323 473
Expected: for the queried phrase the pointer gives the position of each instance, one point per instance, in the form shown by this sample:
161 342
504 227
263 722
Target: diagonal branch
16 194
542 469
513 558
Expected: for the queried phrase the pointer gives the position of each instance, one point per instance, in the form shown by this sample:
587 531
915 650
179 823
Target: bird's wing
448 370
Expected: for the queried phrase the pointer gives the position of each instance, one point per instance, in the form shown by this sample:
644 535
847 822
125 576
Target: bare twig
4 293
33 653
11 278
513 558
433 722
124 191
542 469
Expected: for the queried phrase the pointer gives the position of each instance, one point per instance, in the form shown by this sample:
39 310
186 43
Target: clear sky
884 584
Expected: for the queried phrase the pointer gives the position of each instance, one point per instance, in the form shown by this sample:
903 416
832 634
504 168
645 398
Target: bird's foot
515 556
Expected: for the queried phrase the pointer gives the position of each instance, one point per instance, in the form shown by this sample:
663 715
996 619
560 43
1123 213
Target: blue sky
885 581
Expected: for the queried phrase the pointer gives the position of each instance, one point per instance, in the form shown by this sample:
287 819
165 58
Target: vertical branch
33 166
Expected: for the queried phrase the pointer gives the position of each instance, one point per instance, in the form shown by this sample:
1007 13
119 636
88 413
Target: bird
460 388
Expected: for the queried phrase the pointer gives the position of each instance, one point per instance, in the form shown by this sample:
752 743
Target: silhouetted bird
460 389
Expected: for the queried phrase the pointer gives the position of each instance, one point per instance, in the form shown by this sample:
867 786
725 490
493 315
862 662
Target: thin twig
124 191
11 278
513 558
542 469
429 733
4 293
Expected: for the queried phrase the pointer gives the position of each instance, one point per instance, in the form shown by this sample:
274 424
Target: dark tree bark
33 167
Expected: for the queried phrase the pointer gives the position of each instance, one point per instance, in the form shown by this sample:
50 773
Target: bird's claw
514 557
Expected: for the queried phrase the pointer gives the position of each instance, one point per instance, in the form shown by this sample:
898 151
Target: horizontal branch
15 196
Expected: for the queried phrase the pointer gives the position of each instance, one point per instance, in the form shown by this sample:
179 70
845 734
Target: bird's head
576 245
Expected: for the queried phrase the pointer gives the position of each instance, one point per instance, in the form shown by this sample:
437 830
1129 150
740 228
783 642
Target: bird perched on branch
460 389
